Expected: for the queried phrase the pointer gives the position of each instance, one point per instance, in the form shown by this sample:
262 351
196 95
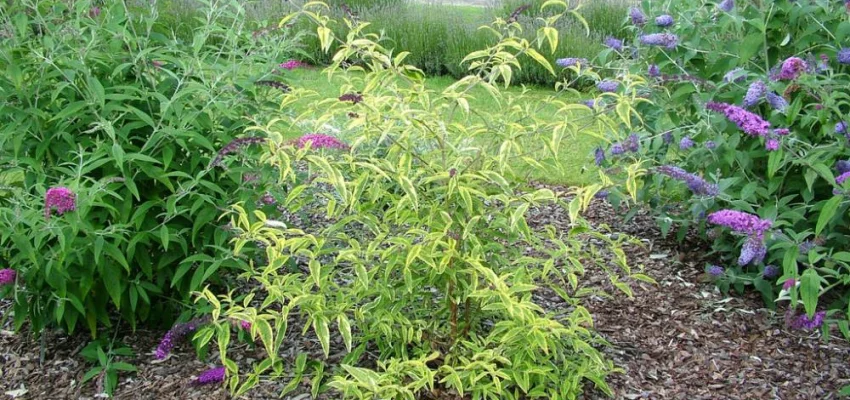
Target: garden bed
680 339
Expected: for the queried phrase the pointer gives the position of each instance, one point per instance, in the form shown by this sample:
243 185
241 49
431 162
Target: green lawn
576 154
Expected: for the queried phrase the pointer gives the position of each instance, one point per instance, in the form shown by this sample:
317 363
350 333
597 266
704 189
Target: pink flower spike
320 141
291 64
789 283
7 276
60 199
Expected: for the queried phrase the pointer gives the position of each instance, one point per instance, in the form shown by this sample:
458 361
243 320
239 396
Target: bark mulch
681 339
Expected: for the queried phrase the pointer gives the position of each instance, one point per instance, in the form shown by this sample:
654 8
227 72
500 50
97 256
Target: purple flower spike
842 166
215 375
667 40
726 5
608 86
740 222
637 16
754 94
803 322
843 56
614 43
664 21
770 272
753 251
602 194
633 143
841 128
771 144
654 71
735 75
7 276
696 183
841 178
792 67
60 199
777 102
320 141
571 62
686 143
177 333
716 271
746 121
667 137
599 156
710 145
617 149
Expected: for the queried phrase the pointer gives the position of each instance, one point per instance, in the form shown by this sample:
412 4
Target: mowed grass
575 152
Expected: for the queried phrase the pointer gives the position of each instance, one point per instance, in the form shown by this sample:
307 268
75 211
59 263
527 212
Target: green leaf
345 330
827 212
810 290
320 325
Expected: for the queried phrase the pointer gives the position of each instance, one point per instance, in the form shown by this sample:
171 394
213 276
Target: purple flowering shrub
125 149
744 137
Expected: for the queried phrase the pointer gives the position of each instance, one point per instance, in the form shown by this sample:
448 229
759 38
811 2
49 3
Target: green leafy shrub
746 112
111 131
425 257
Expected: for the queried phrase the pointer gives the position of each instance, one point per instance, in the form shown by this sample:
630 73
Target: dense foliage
744 136
114 144
414 246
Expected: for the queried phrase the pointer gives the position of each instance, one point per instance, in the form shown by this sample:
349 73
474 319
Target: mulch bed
681 339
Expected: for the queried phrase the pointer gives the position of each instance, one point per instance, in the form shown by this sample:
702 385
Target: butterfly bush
767 120
59 200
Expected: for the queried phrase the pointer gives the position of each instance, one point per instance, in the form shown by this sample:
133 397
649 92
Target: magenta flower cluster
291 64
177 333
59 199
7 276
320 141
746 121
